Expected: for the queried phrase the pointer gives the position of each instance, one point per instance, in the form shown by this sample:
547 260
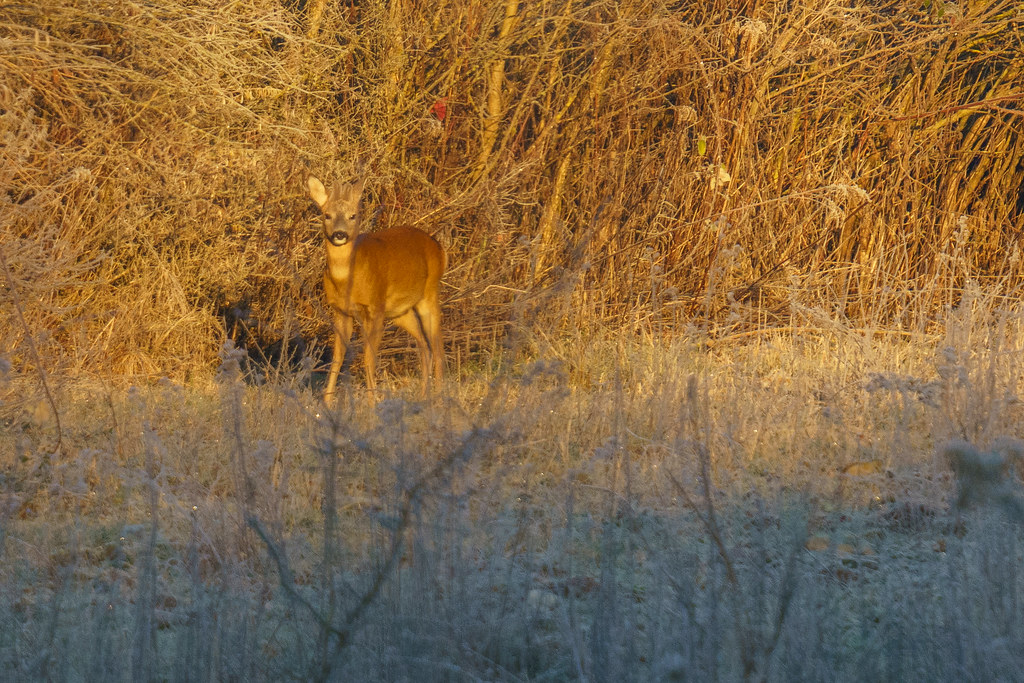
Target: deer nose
338 238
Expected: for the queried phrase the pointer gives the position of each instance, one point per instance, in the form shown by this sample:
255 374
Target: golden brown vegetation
588 165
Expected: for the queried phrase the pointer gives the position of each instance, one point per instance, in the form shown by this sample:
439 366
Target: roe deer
391 274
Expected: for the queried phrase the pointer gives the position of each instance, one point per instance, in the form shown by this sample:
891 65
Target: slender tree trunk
495 82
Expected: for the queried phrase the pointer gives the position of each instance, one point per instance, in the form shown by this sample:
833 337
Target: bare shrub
652 165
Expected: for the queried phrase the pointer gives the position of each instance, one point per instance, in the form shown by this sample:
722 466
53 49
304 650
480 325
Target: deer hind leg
429 311
412 322
342 335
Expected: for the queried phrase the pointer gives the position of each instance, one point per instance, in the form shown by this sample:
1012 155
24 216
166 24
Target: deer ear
317 190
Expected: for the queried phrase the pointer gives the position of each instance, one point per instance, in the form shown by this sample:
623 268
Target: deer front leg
342 335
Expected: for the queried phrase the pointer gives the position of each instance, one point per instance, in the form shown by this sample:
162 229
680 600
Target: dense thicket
588 164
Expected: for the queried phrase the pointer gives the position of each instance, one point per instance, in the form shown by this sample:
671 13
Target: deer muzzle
338 238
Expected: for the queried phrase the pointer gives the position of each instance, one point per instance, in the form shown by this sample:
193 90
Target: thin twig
34 351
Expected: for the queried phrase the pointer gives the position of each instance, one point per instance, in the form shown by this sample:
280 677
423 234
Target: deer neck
340 260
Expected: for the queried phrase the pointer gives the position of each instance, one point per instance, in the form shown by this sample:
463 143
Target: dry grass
667 510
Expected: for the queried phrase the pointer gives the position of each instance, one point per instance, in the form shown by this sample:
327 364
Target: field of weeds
732 321
781 509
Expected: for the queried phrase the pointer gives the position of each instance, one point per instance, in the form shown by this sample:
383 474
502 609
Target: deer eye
352 217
